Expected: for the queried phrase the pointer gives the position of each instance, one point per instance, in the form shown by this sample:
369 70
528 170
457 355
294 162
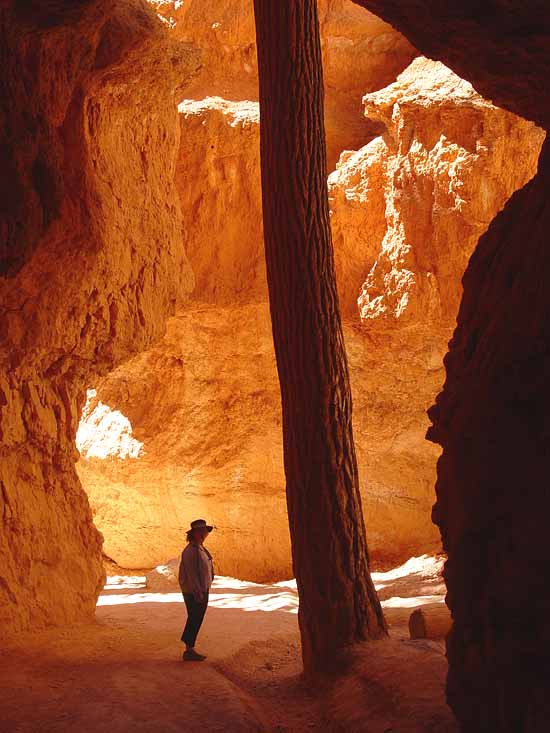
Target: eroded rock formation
494 446
407 210
492 497
361 53
91 266
92 263
502 49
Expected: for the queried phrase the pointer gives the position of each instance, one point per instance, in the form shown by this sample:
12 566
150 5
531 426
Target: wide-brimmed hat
200 524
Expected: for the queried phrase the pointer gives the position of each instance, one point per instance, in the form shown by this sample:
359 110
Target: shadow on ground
124 671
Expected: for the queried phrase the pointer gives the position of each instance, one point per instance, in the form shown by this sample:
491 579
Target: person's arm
200 592
181 572
211 565
193 572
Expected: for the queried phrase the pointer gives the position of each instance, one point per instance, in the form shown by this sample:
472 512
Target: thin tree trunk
338 602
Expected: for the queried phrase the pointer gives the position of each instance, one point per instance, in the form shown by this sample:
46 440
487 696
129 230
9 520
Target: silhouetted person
196 574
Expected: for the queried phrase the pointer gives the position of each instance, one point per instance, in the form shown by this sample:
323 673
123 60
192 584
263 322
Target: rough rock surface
407 211
491 420
360 53
218 178
448 161
91 265
501 47
492 504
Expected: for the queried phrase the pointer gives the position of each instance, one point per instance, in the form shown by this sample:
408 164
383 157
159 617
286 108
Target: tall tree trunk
338 602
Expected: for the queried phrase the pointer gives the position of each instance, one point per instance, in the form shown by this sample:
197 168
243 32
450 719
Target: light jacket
196 571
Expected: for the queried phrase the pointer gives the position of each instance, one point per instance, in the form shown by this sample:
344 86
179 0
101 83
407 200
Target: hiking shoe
193 656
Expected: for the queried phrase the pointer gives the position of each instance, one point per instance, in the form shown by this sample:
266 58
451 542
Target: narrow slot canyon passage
220 224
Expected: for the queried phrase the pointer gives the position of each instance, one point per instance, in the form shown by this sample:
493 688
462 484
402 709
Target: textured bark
338 603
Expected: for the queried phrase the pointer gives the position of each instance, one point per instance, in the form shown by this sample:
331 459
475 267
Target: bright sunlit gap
232 593
225 593
104 432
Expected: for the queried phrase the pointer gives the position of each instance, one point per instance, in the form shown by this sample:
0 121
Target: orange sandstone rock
204 406
360 53
407 211
204 403
218 178
91 265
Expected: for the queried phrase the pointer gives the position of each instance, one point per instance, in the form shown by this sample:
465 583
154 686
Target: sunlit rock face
91 265
407 210
446 164
218 178
105 433
204 403
360 53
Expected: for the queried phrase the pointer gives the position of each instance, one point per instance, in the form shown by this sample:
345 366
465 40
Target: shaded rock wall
407 210
491 420
492 499
91 265
500 47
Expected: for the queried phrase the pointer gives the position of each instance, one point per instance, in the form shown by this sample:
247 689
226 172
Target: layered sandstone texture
491 417
361 53
218 179
203 405
91 265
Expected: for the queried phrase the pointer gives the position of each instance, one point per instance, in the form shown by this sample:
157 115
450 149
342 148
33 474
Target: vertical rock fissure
338 602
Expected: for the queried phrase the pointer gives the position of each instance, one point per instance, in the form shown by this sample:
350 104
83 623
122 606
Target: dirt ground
124 671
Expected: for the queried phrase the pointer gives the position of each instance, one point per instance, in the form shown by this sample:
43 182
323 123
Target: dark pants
195 615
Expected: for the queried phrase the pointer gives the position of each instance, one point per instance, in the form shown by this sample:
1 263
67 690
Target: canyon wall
491 417
492 500
407 210
361 53
91 265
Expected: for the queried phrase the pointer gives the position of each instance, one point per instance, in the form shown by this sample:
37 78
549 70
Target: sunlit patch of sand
415 583
425 565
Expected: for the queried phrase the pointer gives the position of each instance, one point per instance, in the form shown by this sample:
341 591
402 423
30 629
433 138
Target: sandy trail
124 672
